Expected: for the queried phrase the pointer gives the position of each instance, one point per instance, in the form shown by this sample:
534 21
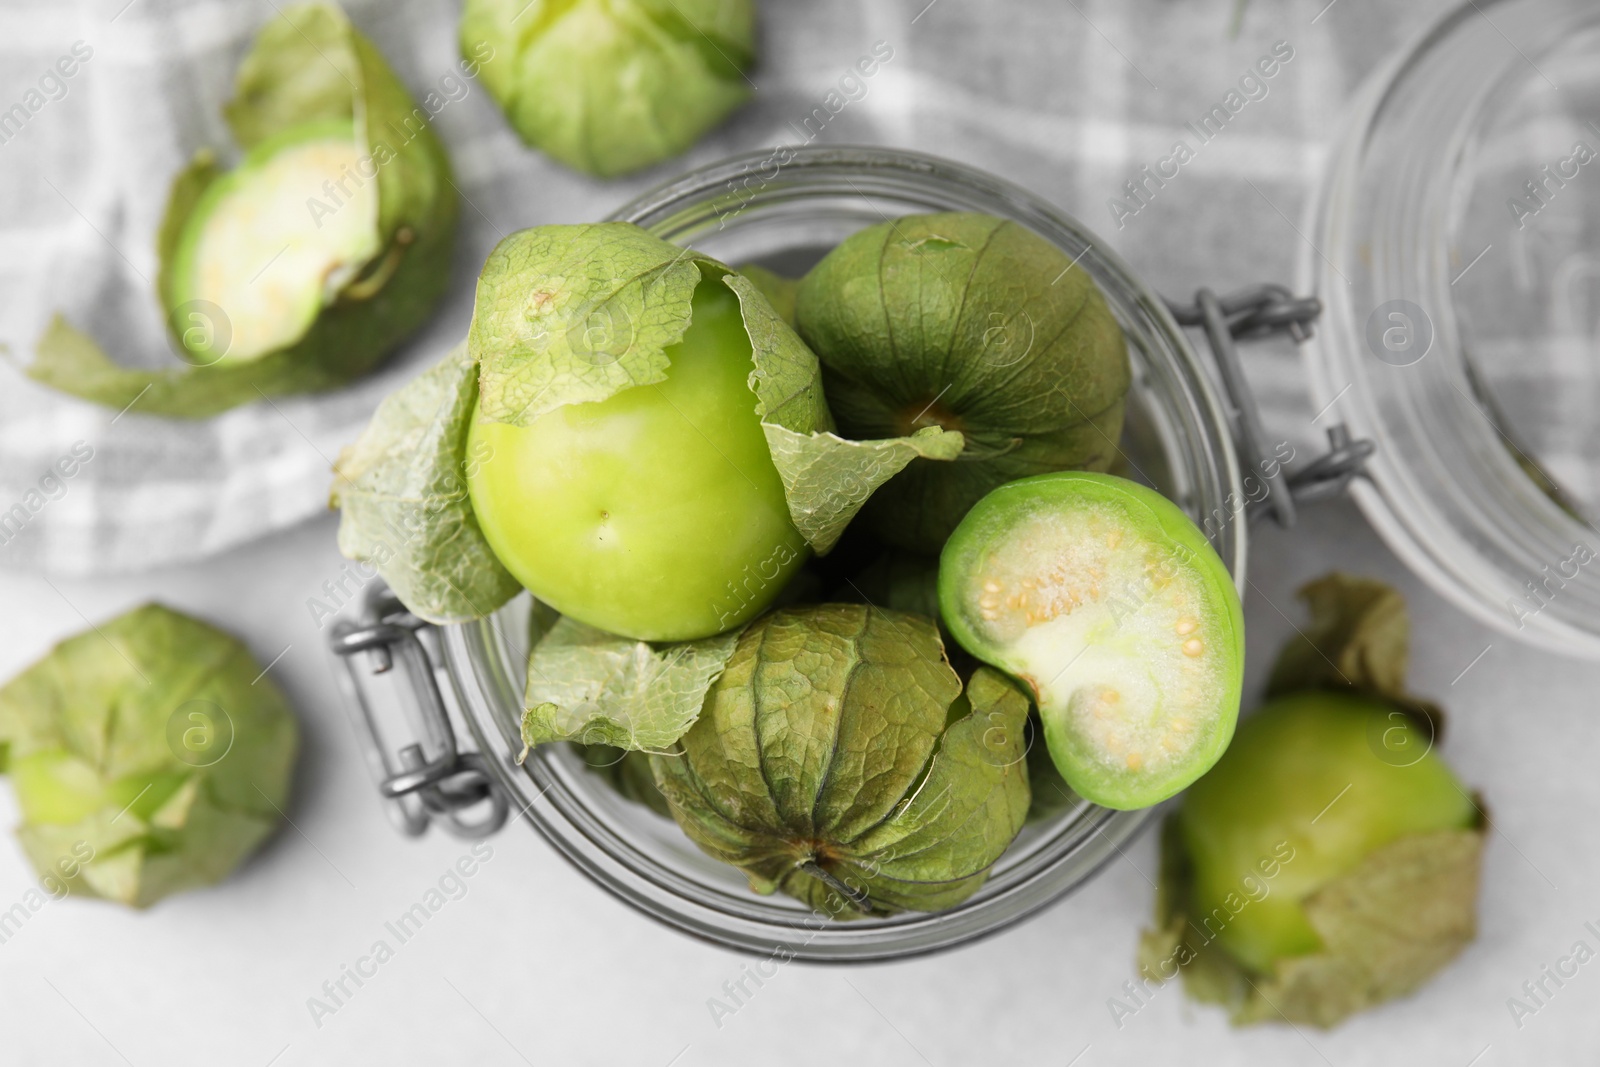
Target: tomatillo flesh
1101 597
252 248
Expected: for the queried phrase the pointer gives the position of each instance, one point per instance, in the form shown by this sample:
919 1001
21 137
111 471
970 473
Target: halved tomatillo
1101 597
301 269
264 245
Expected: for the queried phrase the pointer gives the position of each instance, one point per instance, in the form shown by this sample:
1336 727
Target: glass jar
753 208
1474 375
1456 246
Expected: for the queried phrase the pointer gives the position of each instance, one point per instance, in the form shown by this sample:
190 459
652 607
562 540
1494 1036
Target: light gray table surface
534 964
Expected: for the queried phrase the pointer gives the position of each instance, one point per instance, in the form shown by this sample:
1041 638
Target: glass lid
1457 248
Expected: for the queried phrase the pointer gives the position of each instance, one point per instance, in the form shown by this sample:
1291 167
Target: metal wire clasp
417 789
1258 312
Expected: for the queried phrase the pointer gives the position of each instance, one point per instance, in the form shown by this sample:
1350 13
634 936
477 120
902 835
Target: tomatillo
1307 794
656 514
1101 597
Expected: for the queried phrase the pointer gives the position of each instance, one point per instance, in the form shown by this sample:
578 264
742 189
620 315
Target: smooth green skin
223 188
1303 770
656 514
1151 516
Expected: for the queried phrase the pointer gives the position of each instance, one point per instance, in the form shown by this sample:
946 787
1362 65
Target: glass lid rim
1411 528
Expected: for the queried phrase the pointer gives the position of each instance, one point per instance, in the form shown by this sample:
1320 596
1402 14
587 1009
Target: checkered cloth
1066 97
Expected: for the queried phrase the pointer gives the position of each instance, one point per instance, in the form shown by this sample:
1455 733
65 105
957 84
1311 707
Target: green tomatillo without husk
973 324
611 86
656 513
1110 606
838 760
1304 770
1330 861
149 755
673 392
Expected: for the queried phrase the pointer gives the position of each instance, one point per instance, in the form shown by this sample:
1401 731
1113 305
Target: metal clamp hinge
1251 314
416 789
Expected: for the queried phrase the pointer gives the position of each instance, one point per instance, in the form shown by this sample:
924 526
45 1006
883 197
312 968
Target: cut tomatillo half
302 268
1102 598
273 242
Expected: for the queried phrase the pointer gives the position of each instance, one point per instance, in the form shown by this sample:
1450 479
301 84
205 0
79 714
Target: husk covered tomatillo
612 86
149 755
837 759
973 324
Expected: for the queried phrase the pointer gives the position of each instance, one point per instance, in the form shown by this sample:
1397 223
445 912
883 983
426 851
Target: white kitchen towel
1069 98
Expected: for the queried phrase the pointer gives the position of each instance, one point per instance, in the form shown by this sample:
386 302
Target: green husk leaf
577 314
836 760
597 688
306 66
1210 977
69 360
93 732
785 378
1386 927
303 67
780 292
662 72
1358 638
1389 926
402 491
978 777
828 478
